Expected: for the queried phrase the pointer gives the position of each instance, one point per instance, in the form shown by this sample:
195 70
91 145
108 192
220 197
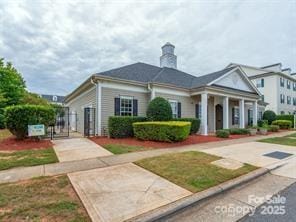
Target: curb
178 205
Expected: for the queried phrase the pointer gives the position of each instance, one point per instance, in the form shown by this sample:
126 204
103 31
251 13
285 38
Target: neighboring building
277 86
223 99
54 99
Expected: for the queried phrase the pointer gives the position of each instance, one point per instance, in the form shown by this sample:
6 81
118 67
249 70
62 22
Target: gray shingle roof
145 73
51 98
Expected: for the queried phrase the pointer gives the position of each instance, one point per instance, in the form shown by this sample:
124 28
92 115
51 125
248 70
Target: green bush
2 119
286 117
273 128
159 109
166 131
222 133
238 131
283 124
122 126
17 118
195 124
262 122
269 115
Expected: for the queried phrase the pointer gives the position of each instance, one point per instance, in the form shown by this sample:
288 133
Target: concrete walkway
78 149
17 174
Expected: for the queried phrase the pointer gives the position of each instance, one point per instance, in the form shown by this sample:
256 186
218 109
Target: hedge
222 133
269 115
122 126
286 117
283 124
166 131
2 119
262 122
195 124
238 131
273 128
159 109
17 118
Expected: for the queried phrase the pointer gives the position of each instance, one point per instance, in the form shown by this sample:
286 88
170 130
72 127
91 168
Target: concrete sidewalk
17 174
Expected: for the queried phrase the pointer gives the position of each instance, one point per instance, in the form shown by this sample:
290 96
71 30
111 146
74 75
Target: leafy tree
12 85
33 99
269 115
159 109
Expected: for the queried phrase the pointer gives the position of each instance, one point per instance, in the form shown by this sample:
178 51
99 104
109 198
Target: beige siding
187 104
108 96
77 106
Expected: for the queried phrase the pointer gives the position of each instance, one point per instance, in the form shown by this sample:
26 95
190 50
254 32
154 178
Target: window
54 98
294 101
260 115
294 86
289 100
174 106
235 116
250 117
282 82
282 98
282 112
260 83
126 106
288 84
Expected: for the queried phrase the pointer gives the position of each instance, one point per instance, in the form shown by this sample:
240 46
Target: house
54 99
277 86
222 99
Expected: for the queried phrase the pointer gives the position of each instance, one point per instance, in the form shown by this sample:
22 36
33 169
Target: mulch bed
12 144
192 139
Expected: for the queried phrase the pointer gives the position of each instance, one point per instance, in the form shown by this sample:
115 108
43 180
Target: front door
219 117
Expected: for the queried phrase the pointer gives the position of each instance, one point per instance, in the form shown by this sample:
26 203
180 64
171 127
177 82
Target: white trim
223 94
99 108
170 92
78 97
127 87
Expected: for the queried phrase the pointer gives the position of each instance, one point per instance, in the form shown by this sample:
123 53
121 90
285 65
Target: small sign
36 130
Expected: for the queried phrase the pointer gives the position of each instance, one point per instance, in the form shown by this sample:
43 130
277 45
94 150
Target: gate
89 121
61 126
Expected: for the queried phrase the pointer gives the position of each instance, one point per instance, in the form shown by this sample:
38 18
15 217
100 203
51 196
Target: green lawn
191 170
120 148
280 140
291 135
27 158
4 134
41 199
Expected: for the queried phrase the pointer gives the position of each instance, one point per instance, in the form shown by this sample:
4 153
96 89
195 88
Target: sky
56 45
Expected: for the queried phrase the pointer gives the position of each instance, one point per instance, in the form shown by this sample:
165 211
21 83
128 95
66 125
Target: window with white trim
289 100
288 84
235 115
126 106
282 98
260 115
294 86
294 101
174 106
259 83
282 82
54 98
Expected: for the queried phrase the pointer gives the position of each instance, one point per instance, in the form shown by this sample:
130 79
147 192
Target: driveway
78 149
255 153
117 193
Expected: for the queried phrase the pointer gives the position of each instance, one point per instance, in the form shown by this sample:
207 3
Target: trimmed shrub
262 122
159 109
238 131
169 131
17 118
273 128
222 133
122 126
195 124
286 117
283 124
269 115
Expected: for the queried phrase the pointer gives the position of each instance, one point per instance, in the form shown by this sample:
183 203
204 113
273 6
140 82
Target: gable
235 80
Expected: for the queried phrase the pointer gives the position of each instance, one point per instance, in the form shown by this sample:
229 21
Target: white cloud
58 44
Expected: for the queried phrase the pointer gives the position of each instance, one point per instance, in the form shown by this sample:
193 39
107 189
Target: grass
27 158
41 199
291 135
191 170
120 148
4 134
280 140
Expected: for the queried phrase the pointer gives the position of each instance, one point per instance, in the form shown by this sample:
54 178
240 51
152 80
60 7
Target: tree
12 85
270 116
159 109
33 99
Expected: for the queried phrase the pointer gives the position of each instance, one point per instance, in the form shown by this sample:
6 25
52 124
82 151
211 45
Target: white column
242 113
204 114
152 93
99 108
255 113
225 112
